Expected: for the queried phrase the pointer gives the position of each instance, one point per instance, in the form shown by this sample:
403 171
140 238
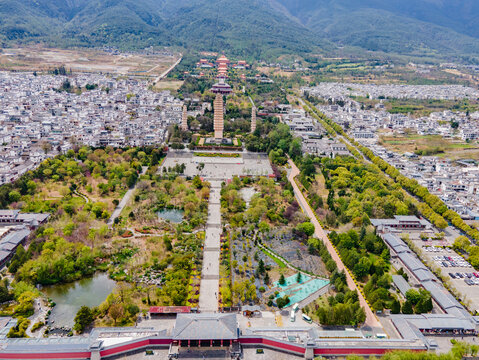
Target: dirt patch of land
84 60
168 85
275 71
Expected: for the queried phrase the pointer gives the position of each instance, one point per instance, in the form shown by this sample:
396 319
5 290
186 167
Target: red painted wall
70 355
135 345
271 343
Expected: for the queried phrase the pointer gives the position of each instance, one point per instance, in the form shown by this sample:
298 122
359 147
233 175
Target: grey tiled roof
15 237
54 344
205 326
462 319
434 321
401 283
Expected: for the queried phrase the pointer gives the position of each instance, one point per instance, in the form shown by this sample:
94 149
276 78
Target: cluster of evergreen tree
360 191
343 308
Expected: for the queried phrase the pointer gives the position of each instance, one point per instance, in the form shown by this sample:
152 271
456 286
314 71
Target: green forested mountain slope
402 26
250 27
242 26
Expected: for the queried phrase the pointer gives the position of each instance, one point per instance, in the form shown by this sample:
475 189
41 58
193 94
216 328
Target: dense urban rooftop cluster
363 123
311 133
45 114
455 184
336 90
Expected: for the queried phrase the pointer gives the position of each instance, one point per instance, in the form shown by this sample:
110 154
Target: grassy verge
278 262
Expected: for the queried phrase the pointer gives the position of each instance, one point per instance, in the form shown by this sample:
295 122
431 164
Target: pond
300 291
173 215
70 297
247 194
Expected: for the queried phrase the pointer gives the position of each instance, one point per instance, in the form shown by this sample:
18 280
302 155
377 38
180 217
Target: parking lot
462 275
445 261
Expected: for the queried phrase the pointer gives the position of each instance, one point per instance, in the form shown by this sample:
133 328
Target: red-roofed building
222 64
203 63
223 60
169 310
241 64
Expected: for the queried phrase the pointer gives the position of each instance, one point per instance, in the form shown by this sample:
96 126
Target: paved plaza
217 168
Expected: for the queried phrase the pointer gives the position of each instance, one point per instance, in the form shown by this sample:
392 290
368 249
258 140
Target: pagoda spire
184 119
219 121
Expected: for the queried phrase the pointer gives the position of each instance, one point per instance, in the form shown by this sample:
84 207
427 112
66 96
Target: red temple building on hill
222 63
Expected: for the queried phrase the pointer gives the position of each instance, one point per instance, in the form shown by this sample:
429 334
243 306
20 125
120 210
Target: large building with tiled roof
207 333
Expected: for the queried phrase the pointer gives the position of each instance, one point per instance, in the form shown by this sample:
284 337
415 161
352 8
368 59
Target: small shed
251 310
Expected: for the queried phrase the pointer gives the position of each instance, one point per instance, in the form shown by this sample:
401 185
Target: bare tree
46 147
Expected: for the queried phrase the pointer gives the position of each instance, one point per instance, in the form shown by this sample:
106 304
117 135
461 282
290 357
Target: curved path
40 312
84 197
126 198
371 319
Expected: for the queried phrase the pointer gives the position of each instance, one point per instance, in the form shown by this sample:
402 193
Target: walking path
210 276
40 312
125 200
371 319
84 197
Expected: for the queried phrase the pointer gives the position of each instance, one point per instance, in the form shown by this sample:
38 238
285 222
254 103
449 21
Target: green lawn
280 263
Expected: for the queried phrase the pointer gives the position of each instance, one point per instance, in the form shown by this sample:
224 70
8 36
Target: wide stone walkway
211 255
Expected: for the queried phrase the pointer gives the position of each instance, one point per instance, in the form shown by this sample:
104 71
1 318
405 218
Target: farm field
431 145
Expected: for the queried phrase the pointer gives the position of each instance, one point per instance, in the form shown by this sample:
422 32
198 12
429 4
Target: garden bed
223 155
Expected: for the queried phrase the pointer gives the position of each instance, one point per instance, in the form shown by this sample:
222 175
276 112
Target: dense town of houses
373 91
456 183
37 120
364 124
312 134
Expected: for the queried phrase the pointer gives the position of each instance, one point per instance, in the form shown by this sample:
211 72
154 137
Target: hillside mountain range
249 27
402 26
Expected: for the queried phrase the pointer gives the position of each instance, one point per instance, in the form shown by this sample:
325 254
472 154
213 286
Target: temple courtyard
217 167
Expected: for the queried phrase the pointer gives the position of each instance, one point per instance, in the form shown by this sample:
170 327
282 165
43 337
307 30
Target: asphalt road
166 72
371 319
